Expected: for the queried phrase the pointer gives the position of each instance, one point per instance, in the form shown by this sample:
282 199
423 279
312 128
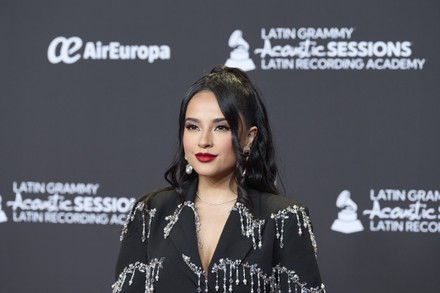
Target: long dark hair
236 96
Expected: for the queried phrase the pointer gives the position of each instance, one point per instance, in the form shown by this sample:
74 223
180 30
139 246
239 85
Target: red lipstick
205 157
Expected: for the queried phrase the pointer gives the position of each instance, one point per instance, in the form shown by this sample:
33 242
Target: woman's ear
250 136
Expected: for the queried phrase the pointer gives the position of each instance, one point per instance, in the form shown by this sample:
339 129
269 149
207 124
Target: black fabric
297 253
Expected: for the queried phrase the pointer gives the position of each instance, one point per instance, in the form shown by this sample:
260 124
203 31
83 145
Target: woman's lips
205 157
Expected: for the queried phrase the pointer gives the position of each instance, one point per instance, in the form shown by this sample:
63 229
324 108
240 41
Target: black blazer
270 250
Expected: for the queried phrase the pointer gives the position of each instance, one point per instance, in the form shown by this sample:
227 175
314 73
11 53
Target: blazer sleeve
297 255
132 259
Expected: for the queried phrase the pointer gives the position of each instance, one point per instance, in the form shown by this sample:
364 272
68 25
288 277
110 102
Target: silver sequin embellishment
142 208
298 212
151 272
249 225
175 217
251 275
198 271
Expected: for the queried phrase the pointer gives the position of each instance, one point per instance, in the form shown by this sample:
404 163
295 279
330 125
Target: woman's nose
205 139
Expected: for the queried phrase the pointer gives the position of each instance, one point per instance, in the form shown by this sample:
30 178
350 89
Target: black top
272 249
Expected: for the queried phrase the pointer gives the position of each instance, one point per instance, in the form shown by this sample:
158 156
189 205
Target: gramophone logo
3 217
239 56
347 221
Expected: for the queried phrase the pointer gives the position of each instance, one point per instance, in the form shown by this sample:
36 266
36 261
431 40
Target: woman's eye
191 127
223 128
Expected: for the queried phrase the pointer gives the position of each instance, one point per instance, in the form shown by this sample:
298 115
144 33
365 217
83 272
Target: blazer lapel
232 243
183 233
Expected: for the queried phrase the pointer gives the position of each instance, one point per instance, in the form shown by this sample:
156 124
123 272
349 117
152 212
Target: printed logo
3 217
347 221
64 50
65 203
239 56
392 210
70 50
321 48
400 210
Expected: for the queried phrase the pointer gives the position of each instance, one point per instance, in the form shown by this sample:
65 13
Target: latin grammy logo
347 221
239 56
3 217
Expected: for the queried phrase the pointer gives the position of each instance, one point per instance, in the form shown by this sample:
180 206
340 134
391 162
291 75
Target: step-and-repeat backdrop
89 98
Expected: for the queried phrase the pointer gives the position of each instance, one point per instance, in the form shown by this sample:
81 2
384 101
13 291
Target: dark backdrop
79 140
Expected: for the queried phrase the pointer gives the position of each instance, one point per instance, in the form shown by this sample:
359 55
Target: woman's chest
235 265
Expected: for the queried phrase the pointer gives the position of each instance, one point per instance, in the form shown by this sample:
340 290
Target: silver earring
188 169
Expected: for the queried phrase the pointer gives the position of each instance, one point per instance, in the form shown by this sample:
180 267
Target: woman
221 227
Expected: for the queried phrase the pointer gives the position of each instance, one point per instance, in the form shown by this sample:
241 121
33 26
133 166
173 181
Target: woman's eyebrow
192 119
215 120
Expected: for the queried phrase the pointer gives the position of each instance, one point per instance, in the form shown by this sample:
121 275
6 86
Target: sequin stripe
229 273
198 271
293 281
142 208
299 212
150 270
249 225
308 225
175 217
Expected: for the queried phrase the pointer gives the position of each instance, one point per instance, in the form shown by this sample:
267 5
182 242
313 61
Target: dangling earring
188 169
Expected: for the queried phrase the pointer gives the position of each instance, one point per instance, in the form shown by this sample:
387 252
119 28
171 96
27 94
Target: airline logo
71 50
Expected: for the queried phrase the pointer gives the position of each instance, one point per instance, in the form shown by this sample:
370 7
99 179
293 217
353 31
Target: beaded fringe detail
175 217
297 211
151 272
250 227
230 273
145 212
198 271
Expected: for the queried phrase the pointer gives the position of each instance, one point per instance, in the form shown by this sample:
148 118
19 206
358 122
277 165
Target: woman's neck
216 190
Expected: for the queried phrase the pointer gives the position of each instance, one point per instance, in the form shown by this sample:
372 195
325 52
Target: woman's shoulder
156 203
274 203
281 209
159 198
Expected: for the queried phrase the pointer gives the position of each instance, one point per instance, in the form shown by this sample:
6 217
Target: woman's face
207 138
